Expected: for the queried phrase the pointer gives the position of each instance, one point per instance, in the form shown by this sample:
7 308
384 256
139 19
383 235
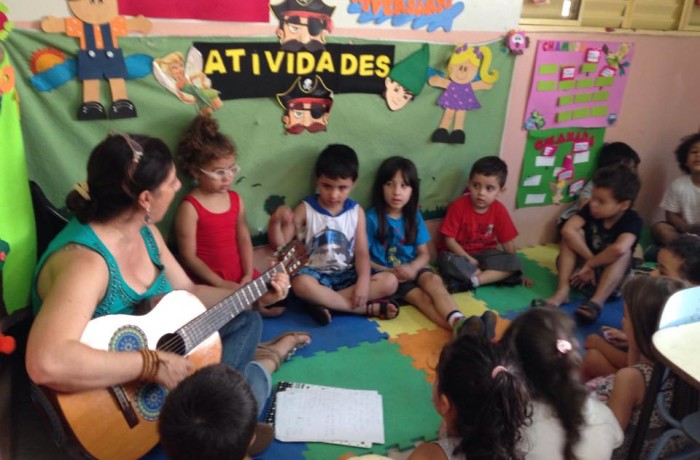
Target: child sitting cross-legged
607 354
475 224
596 247
337 275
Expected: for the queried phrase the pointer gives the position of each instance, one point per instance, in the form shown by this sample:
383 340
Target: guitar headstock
292 255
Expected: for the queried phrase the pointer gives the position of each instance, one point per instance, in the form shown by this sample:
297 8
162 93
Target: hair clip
83 190
462 48
497 370
136 149
564 346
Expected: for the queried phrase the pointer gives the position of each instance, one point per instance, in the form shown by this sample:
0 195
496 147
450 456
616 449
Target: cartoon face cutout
94 11
296 33
463 72
307 104
309 116
303 24
396 95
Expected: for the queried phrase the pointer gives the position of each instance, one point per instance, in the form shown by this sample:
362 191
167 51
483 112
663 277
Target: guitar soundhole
172 343
149 399
128 338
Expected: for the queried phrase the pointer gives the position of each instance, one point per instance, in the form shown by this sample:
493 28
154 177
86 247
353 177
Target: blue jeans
240 338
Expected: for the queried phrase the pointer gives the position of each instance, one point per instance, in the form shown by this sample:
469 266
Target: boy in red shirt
475 224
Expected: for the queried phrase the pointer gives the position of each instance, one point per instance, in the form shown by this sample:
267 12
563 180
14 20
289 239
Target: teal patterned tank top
119 298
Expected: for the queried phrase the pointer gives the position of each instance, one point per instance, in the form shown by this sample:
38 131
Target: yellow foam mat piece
545 255
411 320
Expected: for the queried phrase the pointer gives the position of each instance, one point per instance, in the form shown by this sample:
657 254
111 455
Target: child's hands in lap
404 273
583 276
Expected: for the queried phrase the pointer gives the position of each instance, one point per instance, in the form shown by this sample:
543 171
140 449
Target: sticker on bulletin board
577 83
556 164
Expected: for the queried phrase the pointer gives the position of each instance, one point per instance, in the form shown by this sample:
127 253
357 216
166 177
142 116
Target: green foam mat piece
505 299
409 415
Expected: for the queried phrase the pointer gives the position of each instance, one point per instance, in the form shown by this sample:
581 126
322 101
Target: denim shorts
335 280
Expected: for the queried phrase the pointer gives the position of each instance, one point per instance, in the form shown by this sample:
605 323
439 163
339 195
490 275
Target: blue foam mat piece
610 316
345 330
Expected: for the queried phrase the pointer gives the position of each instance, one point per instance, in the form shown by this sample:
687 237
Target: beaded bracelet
151 364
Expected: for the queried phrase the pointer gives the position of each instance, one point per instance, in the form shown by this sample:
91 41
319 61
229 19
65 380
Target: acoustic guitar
121 422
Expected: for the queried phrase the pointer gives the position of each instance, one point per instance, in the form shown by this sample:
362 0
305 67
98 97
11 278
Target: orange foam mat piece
424 346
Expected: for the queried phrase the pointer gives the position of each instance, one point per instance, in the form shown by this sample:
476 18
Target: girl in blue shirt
397 238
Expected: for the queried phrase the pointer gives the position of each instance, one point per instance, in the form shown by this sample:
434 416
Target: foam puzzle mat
397 357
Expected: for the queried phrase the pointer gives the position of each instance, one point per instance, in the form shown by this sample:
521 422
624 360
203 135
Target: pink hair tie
564 346
497 370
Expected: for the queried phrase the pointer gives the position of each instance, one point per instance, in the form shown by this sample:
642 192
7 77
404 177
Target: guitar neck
201 327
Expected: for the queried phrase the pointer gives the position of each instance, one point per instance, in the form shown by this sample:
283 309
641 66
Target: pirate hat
307 89
304 8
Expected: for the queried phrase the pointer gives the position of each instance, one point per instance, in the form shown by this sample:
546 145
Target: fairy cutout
564 177
467 71
616 61
187 81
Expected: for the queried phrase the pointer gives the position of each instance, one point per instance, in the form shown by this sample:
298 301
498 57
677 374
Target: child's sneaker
472 326
454 285
489 319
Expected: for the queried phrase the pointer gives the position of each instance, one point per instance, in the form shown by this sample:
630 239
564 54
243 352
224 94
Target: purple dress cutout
459 96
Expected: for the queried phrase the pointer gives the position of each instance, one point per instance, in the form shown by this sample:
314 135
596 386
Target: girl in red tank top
212 232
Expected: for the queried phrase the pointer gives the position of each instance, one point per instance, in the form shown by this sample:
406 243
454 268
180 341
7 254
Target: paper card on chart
582 157
541 161
533 181
535 198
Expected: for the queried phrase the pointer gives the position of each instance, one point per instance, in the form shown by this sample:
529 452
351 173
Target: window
663 15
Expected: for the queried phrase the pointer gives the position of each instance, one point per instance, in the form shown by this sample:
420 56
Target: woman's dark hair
544 343
491 402
117 174
386 172
202 143
645 297
683 150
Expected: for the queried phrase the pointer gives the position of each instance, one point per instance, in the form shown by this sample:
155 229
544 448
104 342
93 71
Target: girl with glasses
212 232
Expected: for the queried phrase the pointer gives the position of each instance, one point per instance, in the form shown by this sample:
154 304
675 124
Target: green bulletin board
556 164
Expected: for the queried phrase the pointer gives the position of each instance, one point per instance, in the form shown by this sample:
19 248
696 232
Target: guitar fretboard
194 332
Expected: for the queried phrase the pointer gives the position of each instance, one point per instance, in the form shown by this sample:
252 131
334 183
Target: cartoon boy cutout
406 79
97 25
303 24
308 104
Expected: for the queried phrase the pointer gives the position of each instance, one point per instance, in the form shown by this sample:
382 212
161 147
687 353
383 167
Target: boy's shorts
407 286
335 280
498 260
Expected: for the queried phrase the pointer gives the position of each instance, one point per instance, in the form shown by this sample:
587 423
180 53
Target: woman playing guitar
107 260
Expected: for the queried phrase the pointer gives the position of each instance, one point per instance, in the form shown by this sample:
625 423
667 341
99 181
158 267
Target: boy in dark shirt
597 243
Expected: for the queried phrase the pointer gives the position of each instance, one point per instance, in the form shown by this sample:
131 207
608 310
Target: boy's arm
186 232
621 246
53 25
677 221
572 233
245 245
282 227
453 246
509 247
361 261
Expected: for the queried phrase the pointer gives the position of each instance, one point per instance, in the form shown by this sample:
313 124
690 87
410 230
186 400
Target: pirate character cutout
97 25
308 104
406 79
303 24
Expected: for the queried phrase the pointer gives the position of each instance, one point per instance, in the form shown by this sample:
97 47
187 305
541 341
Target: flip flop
543 303
383 308
265 349
588 311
